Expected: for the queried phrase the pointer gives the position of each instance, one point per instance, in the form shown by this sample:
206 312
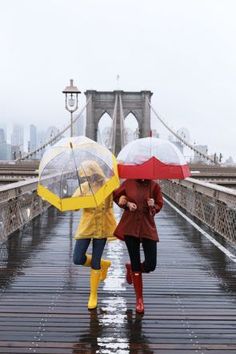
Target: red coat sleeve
158 199
118 193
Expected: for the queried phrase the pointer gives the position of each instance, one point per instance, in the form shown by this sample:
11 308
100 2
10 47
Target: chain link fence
213 205
19 204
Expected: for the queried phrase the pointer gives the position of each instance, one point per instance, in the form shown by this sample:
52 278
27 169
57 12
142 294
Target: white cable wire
122 125
54 139
114 122
181 139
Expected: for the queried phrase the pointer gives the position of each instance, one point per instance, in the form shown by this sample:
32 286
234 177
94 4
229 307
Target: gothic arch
104 129
132 127
99 102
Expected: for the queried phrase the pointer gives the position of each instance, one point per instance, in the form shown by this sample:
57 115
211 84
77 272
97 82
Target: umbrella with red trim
152 158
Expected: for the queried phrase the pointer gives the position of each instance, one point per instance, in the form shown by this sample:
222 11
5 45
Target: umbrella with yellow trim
77 173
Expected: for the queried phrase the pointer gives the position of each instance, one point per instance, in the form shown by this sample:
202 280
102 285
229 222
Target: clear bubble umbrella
77 173
152 158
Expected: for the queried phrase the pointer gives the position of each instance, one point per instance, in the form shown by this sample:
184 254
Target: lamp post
71 101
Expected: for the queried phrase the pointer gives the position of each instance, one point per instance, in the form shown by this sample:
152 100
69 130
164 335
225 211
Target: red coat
139 223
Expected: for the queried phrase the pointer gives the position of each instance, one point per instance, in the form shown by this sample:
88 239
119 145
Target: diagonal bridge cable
114 123
181 139
54 139
122 123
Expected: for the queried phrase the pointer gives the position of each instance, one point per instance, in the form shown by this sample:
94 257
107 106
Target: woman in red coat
141 200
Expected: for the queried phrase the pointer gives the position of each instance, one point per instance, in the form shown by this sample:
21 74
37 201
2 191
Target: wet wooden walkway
190 300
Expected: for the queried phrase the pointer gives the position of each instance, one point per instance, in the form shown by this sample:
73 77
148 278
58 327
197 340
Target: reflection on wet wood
189 299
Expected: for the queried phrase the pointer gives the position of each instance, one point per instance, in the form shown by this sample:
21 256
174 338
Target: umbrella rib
100 158
84 173
89 184
77 174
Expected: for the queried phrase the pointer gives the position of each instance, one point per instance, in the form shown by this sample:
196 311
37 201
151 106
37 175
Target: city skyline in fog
182 50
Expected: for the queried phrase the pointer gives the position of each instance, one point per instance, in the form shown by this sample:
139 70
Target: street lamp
71 101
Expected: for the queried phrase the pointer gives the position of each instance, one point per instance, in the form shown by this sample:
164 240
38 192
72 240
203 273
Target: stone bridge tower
100 102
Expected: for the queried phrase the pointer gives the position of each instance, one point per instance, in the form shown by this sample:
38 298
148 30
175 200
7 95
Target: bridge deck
190 299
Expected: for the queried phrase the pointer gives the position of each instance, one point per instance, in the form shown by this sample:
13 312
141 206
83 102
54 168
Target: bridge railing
213 205
19 204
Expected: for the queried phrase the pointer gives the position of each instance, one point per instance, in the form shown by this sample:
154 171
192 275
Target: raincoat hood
91 168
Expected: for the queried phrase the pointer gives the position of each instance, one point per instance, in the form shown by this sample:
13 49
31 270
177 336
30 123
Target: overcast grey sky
182 50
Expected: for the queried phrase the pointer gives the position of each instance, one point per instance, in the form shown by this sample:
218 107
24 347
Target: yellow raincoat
96 222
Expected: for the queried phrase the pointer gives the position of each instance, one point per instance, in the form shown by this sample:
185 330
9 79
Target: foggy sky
182 50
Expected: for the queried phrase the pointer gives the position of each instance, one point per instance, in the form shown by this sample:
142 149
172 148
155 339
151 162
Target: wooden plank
189 299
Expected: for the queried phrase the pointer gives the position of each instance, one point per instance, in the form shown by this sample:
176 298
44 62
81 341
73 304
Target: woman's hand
131 206
122 200
151 202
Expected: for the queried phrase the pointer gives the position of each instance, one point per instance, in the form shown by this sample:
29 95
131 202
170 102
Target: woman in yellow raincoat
96 224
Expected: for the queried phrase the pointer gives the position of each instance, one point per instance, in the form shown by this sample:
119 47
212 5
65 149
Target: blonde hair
89 168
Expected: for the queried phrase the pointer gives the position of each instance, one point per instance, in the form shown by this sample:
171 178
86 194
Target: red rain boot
128 273
138 287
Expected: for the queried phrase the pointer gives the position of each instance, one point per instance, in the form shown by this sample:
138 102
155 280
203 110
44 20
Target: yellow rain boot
95 277
105 264
88 260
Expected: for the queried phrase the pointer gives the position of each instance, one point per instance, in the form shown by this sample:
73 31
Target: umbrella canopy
77 173
152 158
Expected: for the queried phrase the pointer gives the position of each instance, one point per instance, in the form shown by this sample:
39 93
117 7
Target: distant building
8 151
229 161
4 128
136 133
44 137
5 151
41 138
33 138
105 137
17 138
5 148
130 135
2 136
2 145
203 149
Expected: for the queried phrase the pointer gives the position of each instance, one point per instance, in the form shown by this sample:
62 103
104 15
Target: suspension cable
122 126
114 122
181 139
55 138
